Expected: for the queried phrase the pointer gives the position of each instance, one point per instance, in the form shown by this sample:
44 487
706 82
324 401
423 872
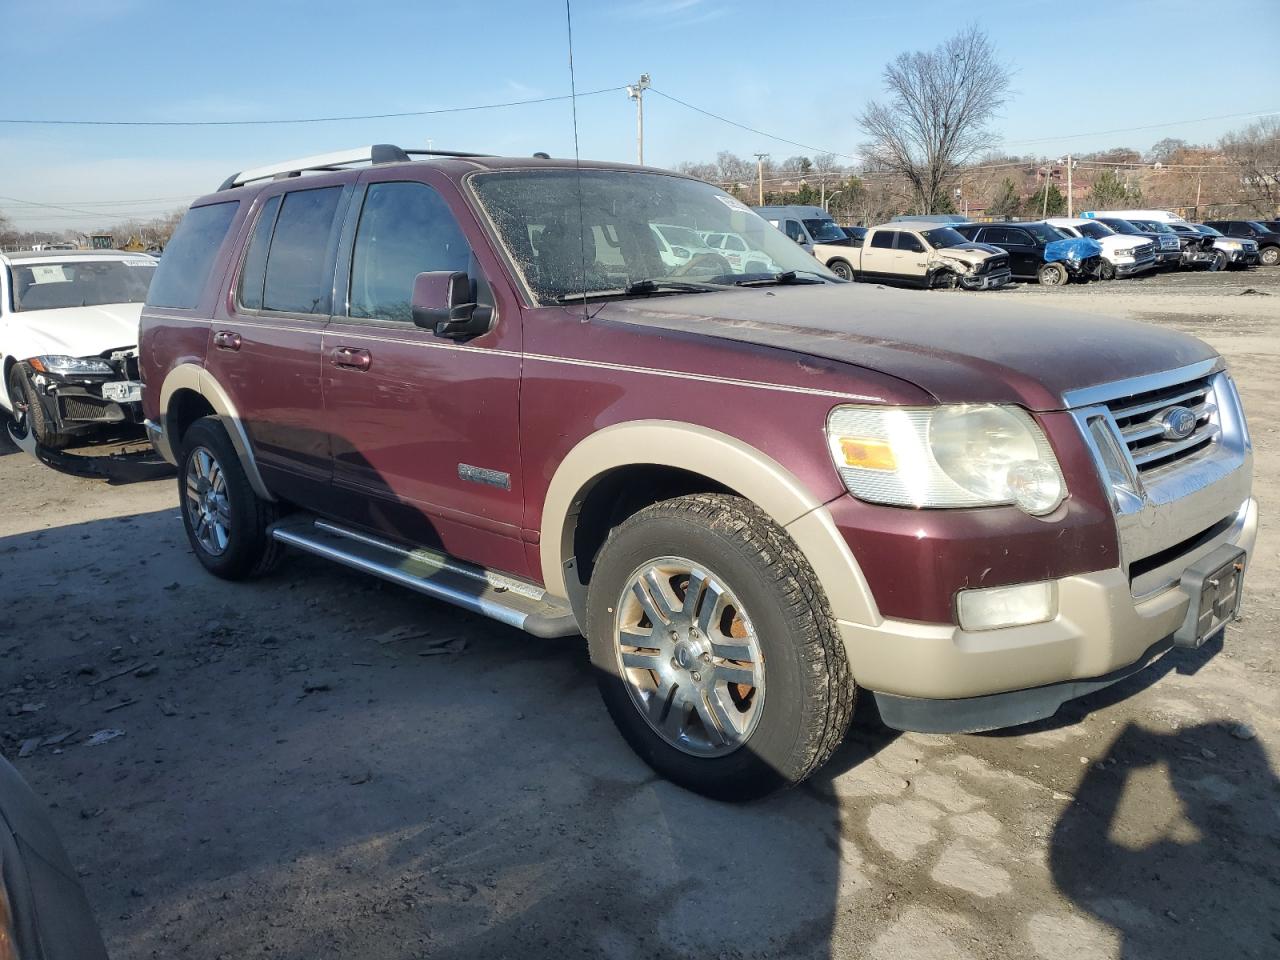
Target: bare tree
1255 154
935 120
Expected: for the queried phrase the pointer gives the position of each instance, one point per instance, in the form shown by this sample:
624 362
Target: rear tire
226 521
1052 275
28 413
719 737
841 269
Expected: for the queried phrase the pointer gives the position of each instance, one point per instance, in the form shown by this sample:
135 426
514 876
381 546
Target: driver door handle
351 358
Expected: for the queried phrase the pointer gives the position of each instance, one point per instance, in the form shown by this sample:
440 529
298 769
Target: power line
296 120
743 126
1150 126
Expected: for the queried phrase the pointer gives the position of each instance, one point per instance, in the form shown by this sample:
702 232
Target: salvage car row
950 251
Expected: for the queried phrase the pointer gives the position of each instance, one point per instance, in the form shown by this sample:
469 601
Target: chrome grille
1146 251
1139 418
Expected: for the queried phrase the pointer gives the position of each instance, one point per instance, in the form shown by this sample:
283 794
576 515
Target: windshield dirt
79 283
599 232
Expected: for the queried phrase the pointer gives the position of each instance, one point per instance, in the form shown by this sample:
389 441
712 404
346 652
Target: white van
1160 216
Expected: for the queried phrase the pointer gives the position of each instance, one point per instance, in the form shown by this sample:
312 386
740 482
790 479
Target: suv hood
73 331
960 349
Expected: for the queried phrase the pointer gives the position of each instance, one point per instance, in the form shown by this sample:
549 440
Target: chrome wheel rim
207 502
689 657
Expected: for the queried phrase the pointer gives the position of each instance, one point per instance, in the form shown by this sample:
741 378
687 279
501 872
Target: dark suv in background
1267 238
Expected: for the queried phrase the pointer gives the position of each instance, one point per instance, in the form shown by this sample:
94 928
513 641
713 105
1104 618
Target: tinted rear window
184 269
299 275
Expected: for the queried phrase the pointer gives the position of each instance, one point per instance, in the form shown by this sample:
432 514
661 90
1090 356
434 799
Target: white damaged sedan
69 341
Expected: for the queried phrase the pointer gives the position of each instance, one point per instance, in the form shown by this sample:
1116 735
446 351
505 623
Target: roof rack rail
376 153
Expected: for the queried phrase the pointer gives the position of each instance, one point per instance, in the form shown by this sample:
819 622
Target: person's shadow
1173 840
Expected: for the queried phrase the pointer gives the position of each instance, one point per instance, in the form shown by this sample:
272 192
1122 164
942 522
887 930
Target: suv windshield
824 231
79 283
1094 229
944 237
571 233
1207 231
1153 226
1123 226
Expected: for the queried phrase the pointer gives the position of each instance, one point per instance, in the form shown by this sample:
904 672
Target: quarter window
298 277
188 259
405 229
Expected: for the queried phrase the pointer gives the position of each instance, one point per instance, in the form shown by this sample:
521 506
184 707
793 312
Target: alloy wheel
689 657
208 502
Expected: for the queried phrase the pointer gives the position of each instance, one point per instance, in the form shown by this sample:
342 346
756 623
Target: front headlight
70 366
1233 244
957 455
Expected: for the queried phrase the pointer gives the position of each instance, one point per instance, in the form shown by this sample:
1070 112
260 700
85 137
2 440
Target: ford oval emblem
1178 423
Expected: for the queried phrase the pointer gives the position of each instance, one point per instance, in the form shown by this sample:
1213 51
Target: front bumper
74 405
1135 267
1168 257
994 678
988 281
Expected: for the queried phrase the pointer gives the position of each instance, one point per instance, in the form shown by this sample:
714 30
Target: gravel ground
317 765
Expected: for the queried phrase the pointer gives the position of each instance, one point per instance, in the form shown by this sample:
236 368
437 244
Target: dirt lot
294 779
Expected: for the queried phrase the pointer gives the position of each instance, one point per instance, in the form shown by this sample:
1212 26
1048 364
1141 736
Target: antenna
577 160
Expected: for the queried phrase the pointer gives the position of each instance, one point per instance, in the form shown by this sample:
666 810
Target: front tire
1052 275
226 522
28 413
1270 256
715 651
1219 262
1108 271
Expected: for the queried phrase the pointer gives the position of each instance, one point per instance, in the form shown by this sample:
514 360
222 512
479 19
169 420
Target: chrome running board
517 603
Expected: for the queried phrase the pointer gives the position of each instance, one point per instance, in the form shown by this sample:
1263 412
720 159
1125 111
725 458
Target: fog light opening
1015 606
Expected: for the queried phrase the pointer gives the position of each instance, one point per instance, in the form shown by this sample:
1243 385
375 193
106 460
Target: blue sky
785 69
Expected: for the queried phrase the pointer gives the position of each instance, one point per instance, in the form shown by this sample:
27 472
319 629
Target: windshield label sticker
732 203
48 273
139 263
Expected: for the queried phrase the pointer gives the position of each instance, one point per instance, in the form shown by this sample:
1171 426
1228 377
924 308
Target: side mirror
443 303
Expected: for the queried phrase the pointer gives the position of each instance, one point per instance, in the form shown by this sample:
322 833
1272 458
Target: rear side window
189 256
298 278
405 229
254 273
883 239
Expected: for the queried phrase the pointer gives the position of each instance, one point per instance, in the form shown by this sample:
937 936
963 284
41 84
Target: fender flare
192 376
727 461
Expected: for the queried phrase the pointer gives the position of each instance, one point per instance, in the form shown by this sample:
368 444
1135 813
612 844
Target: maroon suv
755 493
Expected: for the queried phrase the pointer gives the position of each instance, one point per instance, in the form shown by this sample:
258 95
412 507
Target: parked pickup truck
757 495
918 255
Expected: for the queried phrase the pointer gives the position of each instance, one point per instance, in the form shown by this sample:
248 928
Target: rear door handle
226 340
351 358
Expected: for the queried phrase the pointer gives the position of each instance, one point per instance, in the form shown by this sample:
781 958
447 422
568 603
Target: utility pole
760 178
1197 210
635 91
1070 198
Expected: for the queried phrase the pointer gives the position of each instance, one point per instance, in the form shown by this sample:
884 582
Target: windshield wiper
783 279
640 288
